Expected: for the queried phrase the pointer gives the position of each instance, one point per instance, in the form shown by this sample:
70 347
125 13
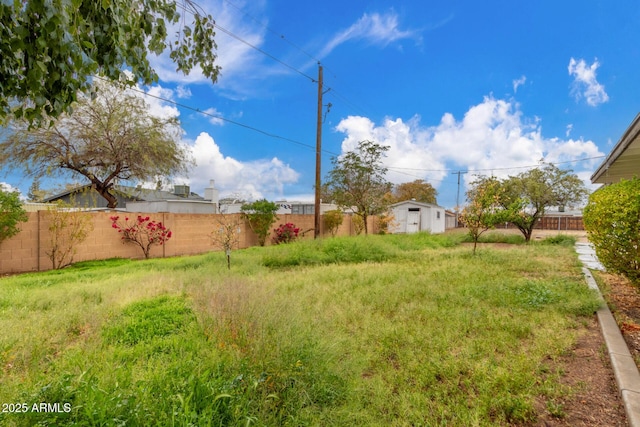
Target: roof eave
631 134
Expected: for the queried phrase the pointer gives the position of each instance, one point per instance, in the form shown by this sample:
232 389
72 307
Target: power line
240 39
217 117
279 35
395 169
255 129
274 58
495 169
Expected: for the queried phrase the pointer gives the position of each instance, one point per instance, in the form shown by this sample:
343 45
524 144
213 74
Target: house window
438 215
414 209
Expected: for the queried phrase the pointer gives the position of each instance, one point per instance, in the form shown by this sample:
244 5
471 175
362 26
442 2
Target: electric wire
281 62
398 170
500 168
272 31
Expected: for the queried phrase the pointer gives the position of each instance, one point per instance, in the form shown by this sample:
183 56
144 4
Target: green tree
261 215
485 208
51 49
358 180
109 138
418 190
35 194
11 213
539 189
612 221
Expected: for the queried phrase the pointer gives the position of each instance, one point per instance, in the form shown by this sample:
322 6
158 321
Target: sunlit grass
376 330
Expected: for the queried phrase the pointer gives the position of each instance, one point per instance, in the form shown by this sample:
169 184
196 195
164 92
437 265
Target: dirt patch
624 301
587 370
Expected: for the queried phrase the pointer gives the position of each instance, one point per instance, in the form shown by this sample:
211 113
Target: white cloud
214 116
256 178
519 82
585 83
375 28
569 129
183 92
157 106
491 137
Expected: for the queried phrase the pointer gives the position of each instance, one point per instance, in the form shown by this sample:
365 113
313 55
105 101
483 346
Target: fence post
38 239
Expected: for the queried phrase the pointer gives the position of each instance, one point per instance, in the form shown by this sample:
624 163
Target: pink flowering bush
285 233
142 231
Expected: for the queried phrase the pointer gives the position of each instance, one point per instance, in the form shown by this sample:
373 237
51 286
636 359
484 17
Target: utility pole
316 231
457 196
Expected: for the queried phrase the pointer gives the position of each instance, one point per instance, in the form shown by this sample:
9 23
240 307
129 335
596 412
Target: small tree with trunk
539 189
226 234
68 228
358 180
485 209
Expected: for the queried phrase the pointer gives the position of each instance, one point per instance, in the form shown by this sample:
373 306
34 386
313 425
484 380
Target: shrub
261 215
67 229
285 233
333 220
386 222
612 220
358 224
560 239
12 213
143 232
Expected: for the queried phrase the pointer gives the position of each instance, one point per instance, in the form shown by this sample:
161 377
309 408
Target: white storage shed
411 217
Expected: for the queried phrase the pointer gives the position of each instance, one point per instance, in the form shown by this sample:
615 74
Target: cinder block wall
191 234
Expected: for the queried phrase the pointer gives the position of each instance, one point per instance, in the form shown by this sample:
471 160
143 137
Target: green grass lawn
364 331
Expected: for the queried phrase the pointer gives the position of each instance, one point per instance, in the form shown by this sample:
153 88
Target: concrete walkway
624 367
587 254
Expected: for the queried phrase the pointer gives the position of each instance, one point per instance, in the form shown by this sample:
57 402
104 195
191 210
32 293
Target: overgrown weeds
374 330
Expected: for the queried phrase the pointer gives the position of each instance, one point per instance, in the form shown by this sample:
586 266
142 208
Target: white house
411 216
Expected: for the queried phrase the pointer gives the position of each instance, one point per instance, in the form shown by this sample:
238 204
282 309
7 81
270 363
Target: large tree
358 180
539 189
50 49
107 139
418 190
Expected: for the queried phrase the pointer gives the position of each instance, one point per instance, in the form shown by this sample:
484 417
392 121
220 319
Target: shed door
413 221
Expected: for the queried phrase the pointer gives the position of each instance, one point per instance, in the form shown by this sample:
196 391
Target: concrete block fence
27 251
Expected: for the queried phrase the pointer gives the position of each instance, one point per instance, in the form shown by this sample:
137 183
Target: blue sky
478 87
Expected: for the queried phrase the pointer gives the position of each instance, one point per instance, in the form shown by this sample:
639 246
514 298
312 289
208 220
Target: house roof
624 159
413 202
136 194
